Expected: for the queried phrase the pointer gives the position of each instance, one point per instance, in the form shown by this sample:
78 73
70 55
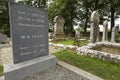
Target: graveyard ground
112 50
70 42
103 69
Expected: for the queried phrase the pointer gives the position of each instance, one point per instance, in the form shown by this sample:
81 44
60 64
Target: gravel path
56 73
54 49
5 55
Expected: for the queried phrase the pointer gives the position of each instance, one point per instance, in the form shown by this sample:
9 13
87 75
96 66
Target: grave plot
103 50
108 49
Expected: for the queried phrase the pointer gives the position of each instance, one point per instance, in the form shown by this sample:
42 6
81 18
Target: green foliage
67 9
1 70
117 37
4 17
71 42
103 69
4 14
35 3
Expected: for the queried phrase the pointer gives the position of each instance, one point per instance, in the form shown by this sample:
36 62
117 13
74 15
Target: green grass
103 69
71 42
1 70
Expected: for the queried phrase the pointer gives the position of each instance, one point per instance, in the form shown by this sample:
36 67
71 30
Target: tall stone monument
58 28
94 24
29 30
105 31
114 32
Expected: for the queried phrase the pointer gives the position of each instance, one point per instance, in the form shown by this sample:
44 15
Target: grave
114 32
3 38
105 31
94 24
58 28
29 30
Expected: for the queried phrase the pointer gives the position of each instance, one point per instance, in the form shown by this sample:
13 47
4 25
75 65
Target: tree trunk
86 21
112 17
96 4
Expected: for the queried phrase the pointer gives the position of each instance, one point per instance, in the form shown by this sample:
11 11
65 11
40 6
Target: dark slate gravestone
29 28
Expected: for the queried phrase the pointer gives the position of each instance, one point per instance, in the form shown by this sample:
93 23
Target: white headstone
58 27
77 32
59 24
105 31
114 32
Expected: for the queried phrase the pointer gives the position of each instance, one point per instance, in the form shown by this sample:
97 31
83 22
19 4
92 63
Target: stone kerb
64 46
86 50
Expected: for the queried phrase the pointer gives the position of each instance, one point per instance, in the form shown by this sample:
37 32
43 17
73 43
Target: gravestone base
21 70
58 37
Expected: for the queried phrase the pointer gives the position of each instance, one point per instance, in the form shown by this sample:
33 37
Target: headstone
98 34
114 32
58 27
105 31
29 29
77 32
3 38
94 23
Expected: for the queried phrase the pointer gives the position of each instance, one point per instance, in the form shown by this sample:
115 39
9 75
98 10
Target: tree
89 6
67 9
113 4
4 18
35 3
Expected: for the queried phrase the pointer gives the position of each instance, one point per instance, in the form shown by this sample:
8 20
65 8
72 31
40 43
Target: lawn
103 69
1 70
71 42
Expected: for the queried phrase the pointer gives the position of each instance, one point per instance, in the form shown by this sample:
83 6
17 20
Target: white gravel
5 55
56 73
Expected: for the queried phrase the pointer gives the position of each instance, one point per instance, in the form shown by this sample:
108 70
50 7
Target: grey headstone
94 24
29 28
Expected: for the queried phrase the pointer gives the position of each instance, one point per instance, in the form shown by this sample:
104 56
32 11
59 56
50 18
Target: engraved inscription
29 27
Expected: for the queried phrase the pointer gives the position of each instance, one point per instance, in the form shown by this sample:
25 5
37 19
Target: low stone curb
83 74
64 46
86 50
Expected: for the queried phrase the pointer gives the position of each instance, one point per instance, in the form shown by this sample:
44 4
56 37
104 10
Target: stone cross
59 24
94 23
114 32
105 31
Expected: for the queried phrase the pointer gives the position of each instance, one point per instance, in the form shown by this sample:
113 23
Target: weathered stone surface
27 68
3 38
58 28
77 32
105 31
86 50
114 32
94 24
